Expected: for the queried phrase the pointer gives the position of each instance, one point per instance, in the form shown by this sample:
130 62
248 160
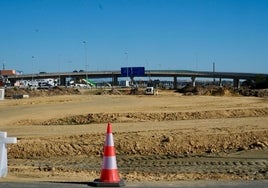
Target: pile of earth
12 92
147 117
222 91
154 155
168 142
208 90
16 92
124 91
254 92
109 92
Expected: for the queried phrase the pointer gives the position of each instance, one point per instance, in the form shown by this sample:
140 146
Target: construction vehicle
151 91
151 88
89 82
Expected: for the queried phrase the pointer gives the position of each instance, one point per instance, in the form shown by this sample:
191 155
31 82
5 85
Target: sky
95 35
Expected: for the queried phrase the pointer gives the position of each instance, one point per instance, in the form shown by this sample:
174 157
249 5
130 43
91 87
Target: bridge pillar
175 84
220 82
62 81
115 80
193 81
236 83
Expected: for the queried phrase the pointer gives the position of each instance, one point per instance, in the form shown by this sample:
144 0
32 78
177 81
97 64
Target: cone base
98 183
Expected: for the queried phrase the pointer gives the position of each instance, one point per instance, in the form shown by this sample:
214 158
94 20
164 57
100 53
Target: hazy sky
48 35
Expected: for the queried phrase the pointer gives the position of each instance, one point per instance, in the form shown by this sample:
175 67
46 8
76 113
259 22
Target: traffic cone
109 172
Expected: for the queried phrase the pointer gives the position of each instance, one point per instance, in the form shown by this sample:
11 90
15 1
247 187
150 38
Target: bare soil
166 137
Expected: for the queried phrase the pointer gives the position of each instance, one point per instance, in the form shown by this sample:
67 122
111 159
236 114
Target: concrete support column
220 82
175 84
236 83
115 80
62 80
193 81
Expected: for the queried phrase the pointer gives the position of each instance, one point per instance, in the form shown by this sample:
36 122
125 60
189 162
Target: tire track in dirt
158 166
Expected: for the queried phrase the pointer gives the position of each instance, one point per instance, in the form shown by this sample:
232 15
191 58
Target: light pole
59 81
69 62
85 47
126 62
214 81
32 68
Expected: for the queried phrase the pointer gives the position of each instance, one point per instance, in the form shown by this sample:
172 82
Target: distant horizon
63 36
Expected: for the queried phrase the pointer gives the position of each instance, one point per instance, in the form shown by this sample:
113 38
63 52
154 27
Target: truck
7 72
36 84
26 84
47 83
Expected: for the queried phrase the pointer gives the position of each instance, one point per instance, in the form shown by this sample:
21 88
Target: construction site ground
168 137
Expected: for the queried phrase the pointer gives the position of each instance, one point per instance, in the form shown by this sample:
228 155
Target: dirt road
166 137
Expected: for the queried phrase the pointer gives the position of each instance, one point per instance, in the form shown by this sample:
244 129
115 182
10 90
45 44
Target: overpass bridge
114 75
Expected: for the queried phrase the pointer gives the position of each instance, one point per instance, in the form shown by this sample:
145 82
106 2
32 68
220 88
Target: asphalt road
179 184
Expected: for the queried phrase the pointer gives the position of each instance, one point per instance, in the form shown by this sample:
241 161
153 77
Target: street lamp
85 47
69 62
214 80
127 63
32 68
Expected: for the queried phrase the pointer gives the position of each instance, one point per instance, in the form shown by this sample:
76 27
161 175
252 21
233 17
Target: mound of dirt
11 92
113 91
143 156
169 142
208 90
147 117
254 92
222 91
109 92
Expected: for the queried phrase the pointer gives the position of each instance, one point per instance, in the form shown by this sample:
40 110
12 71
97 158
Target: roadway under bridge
115 75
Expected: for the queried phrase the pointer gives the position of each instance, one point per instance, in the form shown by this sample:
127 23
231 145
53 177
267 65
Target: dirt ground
167 137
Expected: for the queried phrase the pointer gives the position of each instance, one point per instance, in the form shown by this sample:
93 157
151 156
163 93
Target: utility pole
32 68
214 81
85 47
126 53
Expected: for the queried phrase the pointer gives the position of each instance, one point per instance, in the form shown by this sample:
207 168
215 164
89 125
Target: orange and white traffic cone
109 172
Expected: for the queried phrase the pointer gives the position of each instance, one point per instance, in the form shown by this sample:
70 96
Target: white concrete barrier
3 152
2 94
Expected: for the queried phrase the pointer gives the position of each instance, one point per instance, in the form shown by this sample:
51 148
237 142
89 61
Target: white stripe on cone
109 140
109 163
